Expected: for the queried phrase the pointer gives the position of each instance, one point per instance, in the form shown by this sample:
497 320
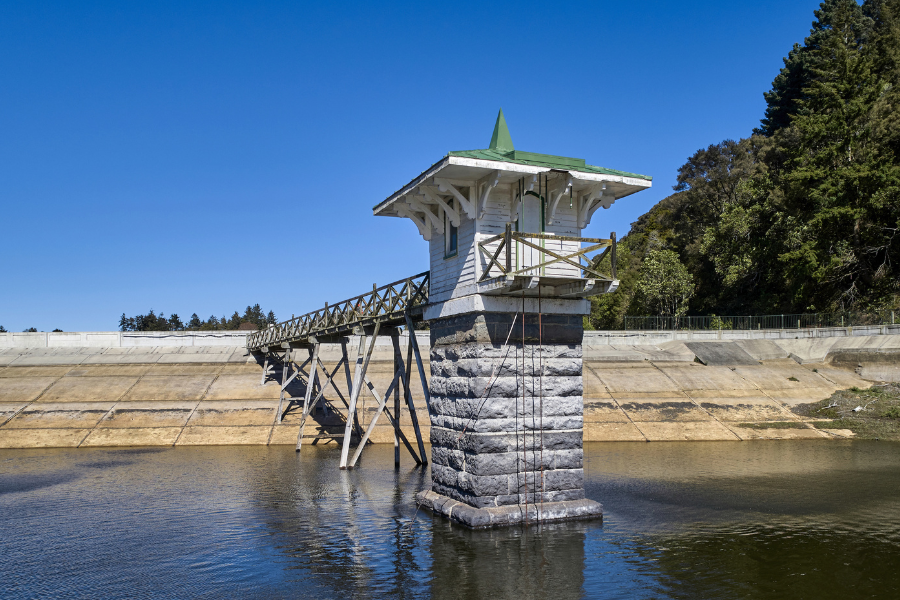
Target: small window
451 234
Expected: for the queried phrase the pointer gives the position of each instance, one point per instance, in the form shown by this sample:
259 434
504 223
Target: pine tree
827 180
175 323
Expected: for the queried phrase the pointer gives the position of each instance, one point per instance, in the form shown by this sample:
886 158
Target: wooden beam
310 385
398 365
265 370
374 421
415 345
283 384
395 422
361 368
409 399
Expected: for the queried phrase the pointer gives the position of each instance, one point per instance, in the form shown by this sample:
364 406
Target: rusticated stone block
506 420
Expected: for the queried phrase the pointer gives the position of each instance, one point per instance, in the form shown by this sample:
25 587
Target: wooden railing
388 303
500 260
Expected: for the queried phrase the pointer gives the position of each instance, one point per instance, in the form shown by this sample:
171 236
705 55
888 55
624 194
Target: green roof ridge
501 140
543 160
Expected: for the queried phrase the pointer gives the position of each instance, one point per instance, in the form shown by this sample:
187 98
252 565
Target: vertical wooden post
508 248
409 399
284 372
310 386
361 367
415 346
398 364
262 380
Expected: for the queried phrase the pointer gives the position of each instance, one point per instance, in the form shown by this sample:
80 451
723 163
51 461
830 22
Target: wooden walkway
380 312
388 305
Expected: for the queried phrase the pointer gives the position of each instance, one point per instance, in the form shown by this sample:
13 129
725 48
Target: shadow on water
25 482
768 520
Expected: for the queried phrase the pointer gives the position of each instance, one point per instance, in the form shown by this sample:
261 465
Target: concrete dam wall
196 389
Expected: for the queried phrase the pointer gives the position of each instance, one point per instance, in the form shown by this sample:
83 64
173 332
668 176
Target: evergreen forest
803 214
253 315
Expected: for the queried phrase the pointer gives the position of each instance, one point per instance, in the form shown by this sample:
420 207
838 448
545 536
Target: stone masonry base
506 414
504 516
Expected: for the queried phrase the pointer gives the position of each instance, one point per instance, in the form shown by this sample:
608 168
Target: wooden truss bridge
296 345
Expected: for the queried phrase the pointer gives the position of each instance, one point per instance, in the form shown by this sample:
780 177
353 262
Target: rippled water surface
683 520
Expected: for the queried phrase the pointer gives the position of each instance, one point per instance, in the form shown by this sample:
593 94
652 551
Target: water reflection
757 520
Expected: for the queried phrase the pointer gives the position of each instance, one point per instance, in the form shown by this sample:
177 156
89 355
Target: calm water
683 520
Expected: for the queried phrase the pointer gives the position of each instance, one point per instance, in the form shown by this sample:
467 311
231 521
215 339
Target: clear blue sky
193 156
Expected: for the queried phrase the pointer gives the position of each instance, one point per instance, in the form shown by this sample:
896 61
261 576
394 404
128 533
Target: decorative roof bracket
416 205
446 186
486 184
424 230
432 195
586 200
556 194
597 197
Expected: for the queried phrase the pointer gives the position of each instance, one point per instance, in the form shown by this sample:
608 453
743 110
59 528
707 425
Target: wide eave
474 164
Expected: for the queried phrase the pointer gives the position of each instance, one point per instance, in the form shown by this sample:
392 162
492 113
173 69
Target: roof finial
501 141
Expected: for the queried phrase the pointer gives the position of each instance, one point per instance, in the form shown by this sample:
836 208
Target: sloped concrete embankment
163 396
193 395
725 390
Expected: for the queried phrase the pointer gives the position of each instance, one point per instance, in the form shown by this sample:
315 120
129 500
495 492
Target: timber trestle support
303 363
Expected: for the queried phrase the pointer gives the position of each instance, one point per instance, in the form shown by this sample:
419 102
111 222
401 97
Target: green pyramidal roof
501 140
502 149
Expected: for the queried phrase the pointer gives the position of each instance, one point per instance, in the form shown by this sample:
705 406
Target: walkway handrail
387 303
509 239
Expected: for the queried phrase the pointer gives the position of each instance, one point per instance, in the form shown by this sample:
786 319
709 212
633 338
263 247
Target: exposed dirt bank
872 413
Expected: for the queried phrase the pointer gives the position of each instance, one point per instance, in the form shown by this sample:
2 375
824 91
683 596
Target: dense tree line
802 215
253 315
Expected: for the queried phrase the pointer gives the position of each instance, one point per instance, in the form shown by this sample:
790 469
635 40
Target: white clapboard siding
455 276
564 223
496 216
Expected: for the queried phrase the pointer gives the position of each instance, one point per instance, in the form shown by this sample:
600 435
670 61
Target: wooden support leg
398 368
394 422
361 367
265 372
409 399
284 372
378 411
296 371
414 344
349 382
310 385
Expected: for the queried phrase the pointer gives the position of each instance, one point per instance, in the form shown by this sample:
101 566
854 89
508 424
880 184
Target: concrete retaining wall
211 394
121 339
128 339
643 337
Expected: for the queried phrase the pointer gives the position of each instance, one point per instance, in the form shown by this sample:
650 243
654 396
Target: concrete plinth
507 419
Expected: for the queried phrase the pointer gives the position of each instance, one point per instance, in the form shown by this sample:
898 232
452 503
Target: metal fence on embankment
796 321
